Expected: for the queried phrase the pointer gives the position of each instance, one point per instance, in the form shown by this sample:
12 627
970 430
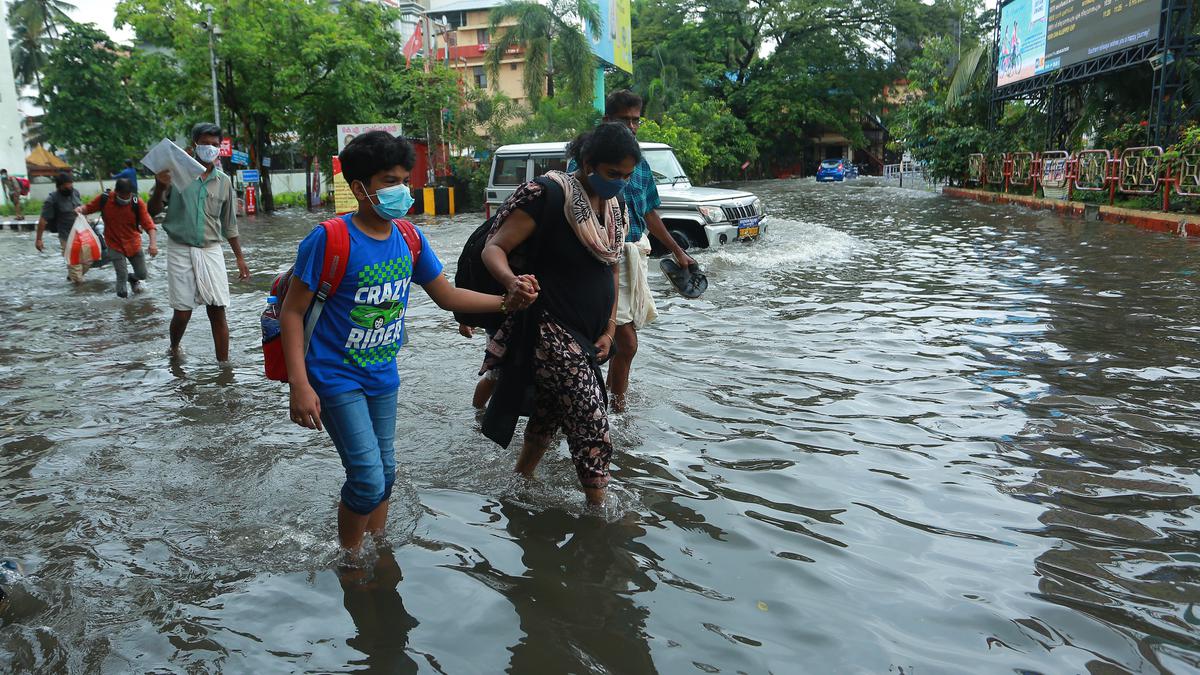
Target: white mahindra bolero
696 217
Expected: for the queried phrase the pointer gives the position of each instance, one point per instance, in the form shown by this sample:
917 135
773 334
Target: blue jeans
363 428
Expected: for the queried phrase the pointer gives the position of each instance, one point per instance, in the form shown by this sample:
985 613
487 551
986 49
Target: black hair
205 129
608 143
622 100
123 185
375 151
62 179
129 162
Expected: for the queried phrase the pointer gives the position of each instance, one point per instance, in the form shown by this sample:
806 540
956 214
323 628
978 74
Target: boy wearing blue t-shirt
347 379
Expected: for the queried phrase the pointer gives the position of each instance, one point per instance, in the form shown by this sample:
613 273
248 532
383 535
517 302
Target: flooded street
900 432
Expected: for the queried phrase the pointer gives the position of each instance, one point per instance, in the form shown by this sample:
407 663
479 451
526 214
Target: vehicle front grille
736 213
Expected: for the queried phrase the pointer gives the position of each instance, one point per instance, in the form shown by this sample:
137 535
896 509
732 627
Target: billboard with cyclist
1041 36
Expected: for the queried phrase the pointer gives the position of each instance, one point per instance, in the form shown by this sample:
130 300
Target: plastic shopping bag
83 247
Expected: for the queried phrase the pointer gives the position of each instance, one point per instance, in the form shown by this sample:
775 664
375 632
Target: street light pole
212 63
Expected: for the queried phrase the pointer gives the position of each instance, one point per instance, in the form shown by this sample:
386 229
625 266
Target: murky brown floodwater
901 432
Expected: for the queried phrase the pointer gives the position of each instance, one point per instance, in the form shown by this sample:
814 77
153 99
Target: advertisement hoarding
615 44
1041 36
346 132
343 198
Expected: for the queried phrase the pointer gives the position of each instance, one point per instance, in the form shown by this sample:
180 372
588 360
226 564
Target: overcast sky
101 13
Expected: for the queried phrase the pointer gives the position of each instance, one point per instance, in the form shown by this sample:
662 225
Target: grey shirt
59 212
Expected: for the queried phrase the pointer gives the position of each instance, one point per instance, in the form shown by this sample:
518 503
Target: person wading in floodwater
200 216
58 216
13 189
345 378
125 218
635 305
574 225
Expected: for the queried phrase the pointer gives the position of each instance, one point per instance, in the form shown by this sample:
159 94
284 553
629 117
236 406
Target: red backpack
333 268
24 183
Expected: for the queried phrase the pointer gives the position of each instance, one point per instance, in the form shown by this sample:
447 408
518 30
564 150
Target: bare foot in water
617 402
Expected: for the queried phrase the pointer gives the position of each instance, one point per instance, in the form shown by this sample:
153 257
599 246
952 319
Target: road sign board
249 175
239 157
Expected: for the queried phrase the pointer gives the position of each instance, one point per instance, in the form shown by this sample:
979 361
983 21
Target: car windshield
831 163
664 165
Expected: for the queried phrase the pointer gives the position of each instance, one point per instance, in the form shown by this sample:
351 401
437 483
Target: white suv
696 217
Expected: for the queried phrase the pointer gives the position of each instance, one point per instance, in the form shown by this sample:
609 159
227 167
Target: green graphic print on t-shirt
378 314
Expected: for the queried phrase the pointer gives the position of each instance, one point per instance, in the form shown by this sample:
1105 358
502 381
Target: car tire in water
680 238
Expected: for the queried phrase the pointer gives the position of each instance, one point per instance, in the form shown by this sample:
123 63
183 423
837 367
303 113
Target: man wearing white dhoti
200 216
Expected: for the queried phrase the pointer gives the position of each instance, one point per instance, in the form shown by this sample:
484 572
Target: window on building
512 66
480 77
481 35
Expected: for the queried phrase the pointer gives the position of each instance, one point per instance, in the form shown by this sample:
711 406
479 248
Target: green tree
553 43
36 24
29 54
553 120
289 68
687 144
50 15
99 119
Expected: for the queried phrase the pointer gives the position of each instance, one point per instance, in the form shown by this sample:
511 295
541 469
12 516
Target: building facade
12 139
462 41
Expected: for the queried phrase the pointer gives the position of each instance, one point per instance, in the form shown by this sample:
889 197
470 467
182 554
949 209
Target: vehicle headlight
757 207
713 214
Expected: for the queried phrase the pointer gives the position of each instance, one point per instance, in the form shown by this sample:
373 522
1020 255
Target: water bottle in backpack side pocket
272 344
270 320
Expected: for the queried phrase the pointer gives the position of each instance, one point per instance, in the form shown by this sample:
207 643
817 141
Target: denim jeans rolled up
363 428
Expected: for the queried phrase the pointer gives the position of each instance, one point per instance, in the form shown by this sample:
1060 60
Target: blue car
836 169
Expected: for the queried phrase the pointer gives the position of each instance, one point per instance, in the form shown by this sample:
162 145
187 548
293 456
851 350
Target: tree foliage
553 43
89 109
36 26
287 71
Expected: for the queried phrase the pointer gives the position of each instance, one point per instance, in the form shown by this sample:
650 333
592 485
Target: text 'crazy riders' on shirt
355 343
379 310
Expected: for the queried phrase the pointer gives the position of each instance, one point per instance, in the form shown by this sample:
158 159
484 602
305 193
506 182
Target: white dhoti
196 276
634 303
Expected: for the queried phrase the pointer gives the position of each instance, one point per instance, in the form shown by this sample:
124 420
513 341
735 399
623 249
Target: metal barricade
976 163
995 169
1187 183
1022 168
1054 169
1140 169
1091 170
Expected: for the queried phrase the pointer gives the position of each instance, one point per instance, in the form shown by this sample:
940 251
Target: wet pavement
900 432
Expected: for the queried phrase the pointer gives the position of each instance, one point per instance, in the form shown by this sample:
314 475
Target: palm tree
35 27
544 31
665 76
48 14
29 55
971 66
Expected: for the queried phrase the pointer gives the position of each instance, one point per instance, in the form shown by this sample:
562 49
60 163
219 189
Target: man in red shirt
125 218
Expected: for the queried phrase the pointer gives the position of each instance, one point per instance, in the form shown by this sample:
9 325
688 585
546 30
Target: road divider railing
1143 170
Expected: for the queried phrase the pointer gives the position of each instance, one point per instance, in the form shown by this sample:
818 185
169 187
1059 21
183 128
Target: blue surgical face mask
606 188
394 201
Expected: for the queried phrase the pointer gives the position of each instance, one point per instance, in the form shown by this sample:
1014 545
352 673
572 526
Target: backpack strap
333 268
412 238
104 199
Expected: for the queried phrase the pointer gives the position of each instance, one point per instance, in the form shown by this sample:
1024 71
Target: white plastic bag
168 156
83 246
